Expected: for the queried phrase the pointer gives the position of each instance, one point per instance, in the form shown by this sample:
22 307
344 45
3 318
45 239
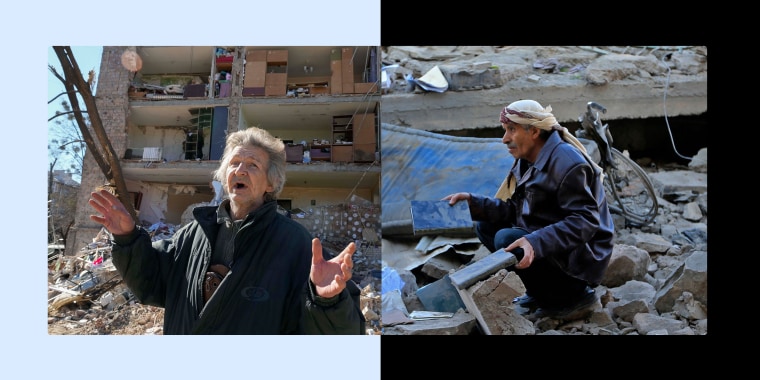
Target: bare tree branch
57 96
106 159
64 113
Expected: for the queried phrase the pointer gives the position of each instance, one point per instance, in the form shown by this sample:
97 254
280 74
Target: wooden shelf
342 128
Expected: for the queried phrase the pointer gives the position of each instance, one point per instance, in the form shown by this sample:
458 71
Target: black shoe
525 301
577 310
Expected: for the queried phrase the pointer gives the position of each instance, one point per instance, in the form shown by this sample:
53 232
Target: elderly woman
240 267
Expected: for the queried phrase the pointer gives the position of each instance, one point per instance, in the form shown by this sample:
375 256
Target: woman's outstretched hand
113 215
330 276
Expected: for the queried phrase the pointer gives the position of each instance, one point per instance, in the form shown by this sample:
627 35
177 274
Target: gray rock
627 263
689 277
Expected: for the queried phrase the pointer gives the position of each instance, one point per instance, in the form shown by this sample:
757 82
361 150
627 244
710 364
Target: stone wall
344 223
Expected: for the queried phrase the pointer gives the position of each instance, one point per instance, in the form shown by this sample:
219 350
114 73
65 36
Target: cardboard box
253 91
365 88
255 74
275 90
336 81
276 79
347 74
364 128
277 55
364 152
342 153
256 56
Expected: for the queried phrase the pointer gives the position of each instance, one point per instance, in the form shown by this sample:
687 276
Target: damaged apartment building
168 109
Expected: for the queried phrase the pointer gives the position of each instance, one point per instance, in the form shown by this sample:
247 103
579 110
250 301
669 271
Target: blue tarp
421 165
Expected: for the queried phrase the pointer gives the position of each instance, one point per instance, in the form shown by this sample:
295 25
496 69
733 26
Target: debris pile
86 294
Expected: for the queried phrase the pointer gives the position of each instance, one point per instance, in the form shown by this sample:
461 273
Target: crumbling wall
348 222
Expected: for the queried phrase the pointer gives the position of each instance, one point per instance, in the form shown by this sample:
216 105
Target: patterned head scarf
530 112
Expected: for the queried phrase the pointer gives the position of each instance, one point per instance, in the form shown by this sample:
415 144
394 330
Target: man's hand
330 277
115 217
528 253
454 198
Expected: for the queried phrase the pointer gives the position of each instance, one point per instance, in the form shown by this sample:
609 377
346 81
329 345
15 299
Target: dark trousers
543 279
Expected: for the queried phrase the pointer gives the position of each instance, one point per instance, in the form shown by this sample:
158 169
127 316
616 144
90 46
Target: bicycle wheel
630 191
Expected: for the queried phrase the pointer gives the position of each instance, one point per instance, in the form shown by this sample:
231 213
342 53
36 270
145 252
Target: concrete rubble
656 282
629 80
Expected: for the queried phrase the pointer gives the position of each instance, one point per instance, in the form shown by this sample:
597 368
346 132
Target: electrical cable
665 110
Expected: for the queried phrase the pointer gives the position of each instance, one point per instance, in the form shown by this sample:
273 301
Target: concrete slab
680 180
462 323
636 92
490 301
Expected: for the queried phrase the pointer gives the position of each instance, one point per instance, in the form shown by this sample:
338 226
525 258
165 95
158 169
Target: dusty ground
129 319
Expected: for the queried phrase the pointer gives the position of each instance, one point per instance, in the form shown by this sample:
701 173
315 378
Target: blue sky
88 58
149 23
